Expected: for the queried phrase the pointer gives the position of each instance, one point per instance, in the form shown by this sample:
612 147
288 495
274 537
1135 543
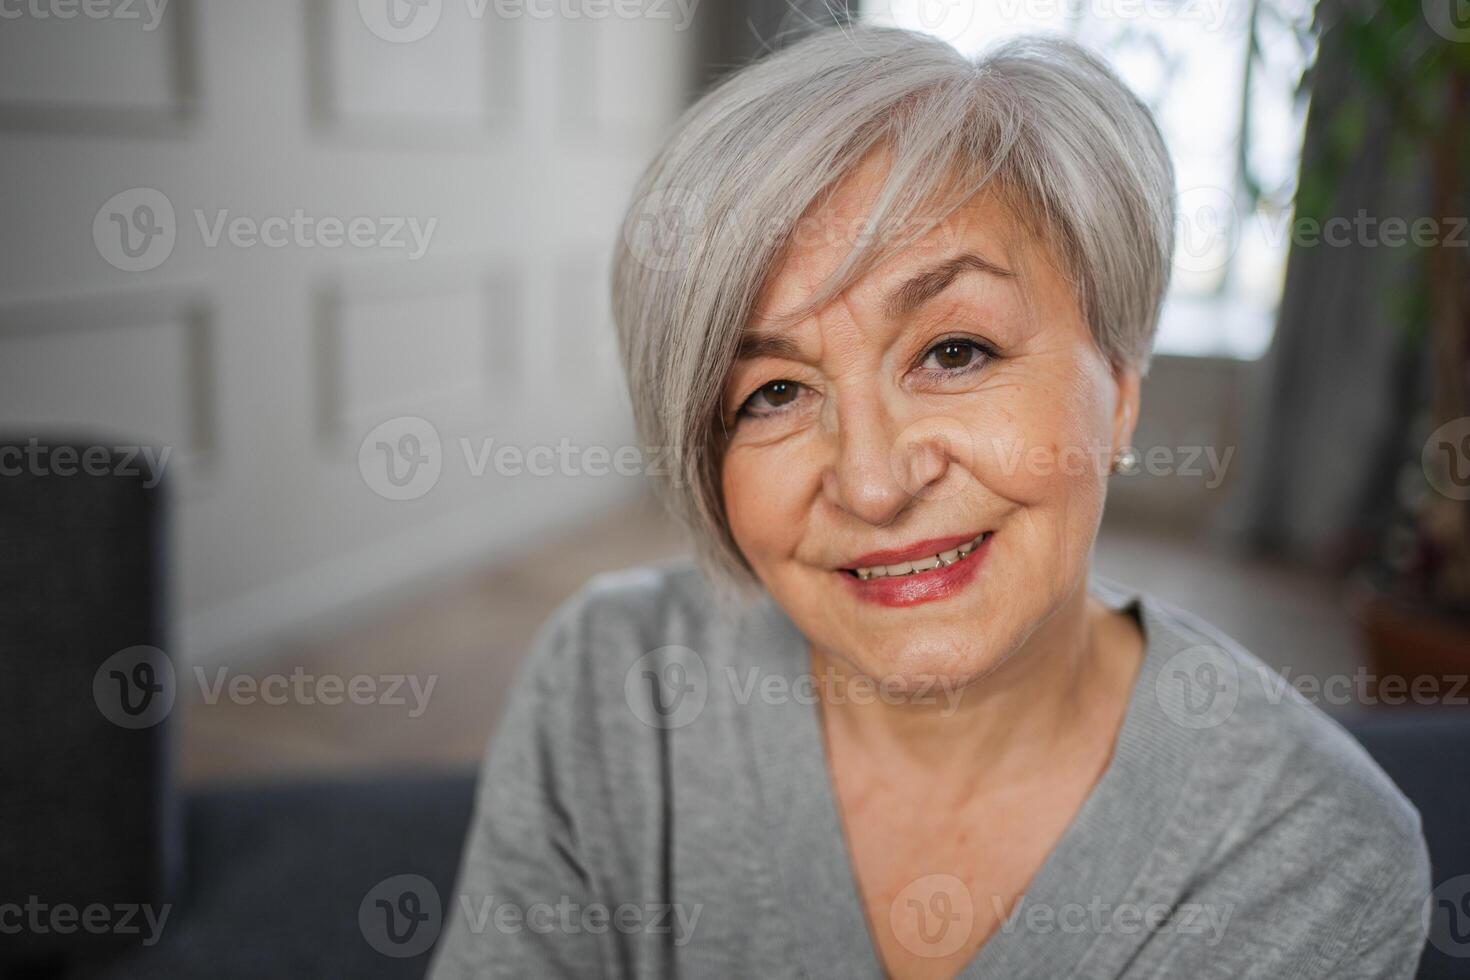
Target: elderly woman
889 308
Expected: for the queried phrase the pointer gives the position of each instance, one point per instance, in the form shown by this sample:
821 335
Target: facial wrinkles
1042 392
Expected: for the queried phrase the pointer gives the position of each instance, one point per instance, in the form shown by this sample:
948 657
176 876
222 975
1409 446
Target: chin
949 657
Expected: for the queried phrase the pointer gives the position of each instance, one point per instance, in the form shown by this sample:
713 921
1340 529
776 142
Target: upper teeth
920 564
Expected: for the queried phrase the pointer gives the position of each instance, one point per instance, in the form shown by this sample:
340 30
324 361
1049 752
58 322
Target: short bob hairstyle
1071 151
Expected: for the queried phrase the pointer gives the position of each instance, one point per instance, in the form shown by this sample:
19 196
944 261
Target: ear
1125 409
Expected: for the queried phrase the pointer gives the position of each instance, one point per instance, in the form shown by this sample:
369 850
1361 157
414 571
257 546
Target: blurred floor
467 640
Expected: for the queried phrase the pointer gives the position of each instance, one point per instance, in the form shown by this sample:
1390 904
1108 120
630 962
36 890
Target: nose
882 464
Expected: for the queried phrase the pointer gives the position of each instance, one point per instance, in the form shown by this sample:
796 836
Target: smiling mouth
918 566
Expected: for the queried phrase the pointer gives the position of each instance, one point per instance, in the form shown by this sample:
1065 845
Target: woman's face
950 414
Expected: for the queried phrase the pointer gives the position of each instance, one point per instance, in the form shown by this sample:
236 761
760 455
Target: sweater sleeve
1327 889
520 904
1393 923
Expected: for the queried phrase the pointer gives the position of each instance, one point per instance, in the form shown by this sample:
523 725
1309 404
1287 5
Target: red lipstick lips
919 549
942 579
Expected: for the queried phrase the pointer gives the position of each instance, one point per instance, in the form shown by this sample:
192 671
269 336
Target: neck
1070 676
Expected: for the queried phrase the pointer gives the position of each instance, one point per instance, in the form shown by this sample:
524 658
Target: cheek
1047 444
763 488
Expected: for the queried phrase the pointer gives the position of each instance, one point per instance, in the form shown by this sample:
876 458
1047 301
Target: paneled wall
332 257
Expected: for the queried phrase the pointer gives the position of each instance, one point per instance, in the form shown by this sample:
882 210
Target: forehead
832 227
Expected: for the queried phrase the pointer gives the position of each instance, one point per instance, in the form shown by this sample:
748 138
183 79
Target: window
1222 78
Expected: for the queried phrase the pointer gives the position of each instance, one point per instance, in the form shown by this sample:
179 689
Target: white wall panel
133 369
124 68
459 78
270 366
413 342
621 76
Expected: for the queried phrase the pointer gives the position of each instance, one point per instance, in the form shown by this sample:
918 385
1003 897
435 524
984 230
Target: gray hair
1073 152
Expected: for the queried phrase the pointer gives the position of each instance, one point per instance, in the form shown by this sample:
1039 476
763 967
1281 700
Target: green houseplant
1410 62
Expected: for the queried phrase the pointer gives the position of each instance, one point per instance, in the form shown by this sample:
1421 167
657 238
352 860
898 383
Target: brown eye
957 355
771 398
954 354
778 393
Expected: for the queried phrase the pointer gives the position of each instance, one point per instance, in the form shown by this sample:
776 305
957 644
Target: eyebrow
754 345
901 301
924 286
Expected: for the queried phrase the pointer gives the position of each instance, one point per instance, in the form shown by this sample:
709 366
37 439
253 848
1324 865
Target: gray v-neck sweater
656 803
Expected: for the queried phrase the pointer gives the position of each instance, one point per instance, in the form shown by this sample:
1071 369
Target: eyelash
986 353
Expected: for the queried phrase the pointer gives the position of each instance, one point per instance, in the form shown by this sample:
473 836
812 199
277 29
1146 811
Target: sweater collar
1110 853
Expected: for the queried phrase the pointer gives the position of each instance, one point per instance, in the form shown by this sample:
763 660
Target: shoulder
580 714
617 617
656 598
609 652
602 716
1298 812
1253 720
